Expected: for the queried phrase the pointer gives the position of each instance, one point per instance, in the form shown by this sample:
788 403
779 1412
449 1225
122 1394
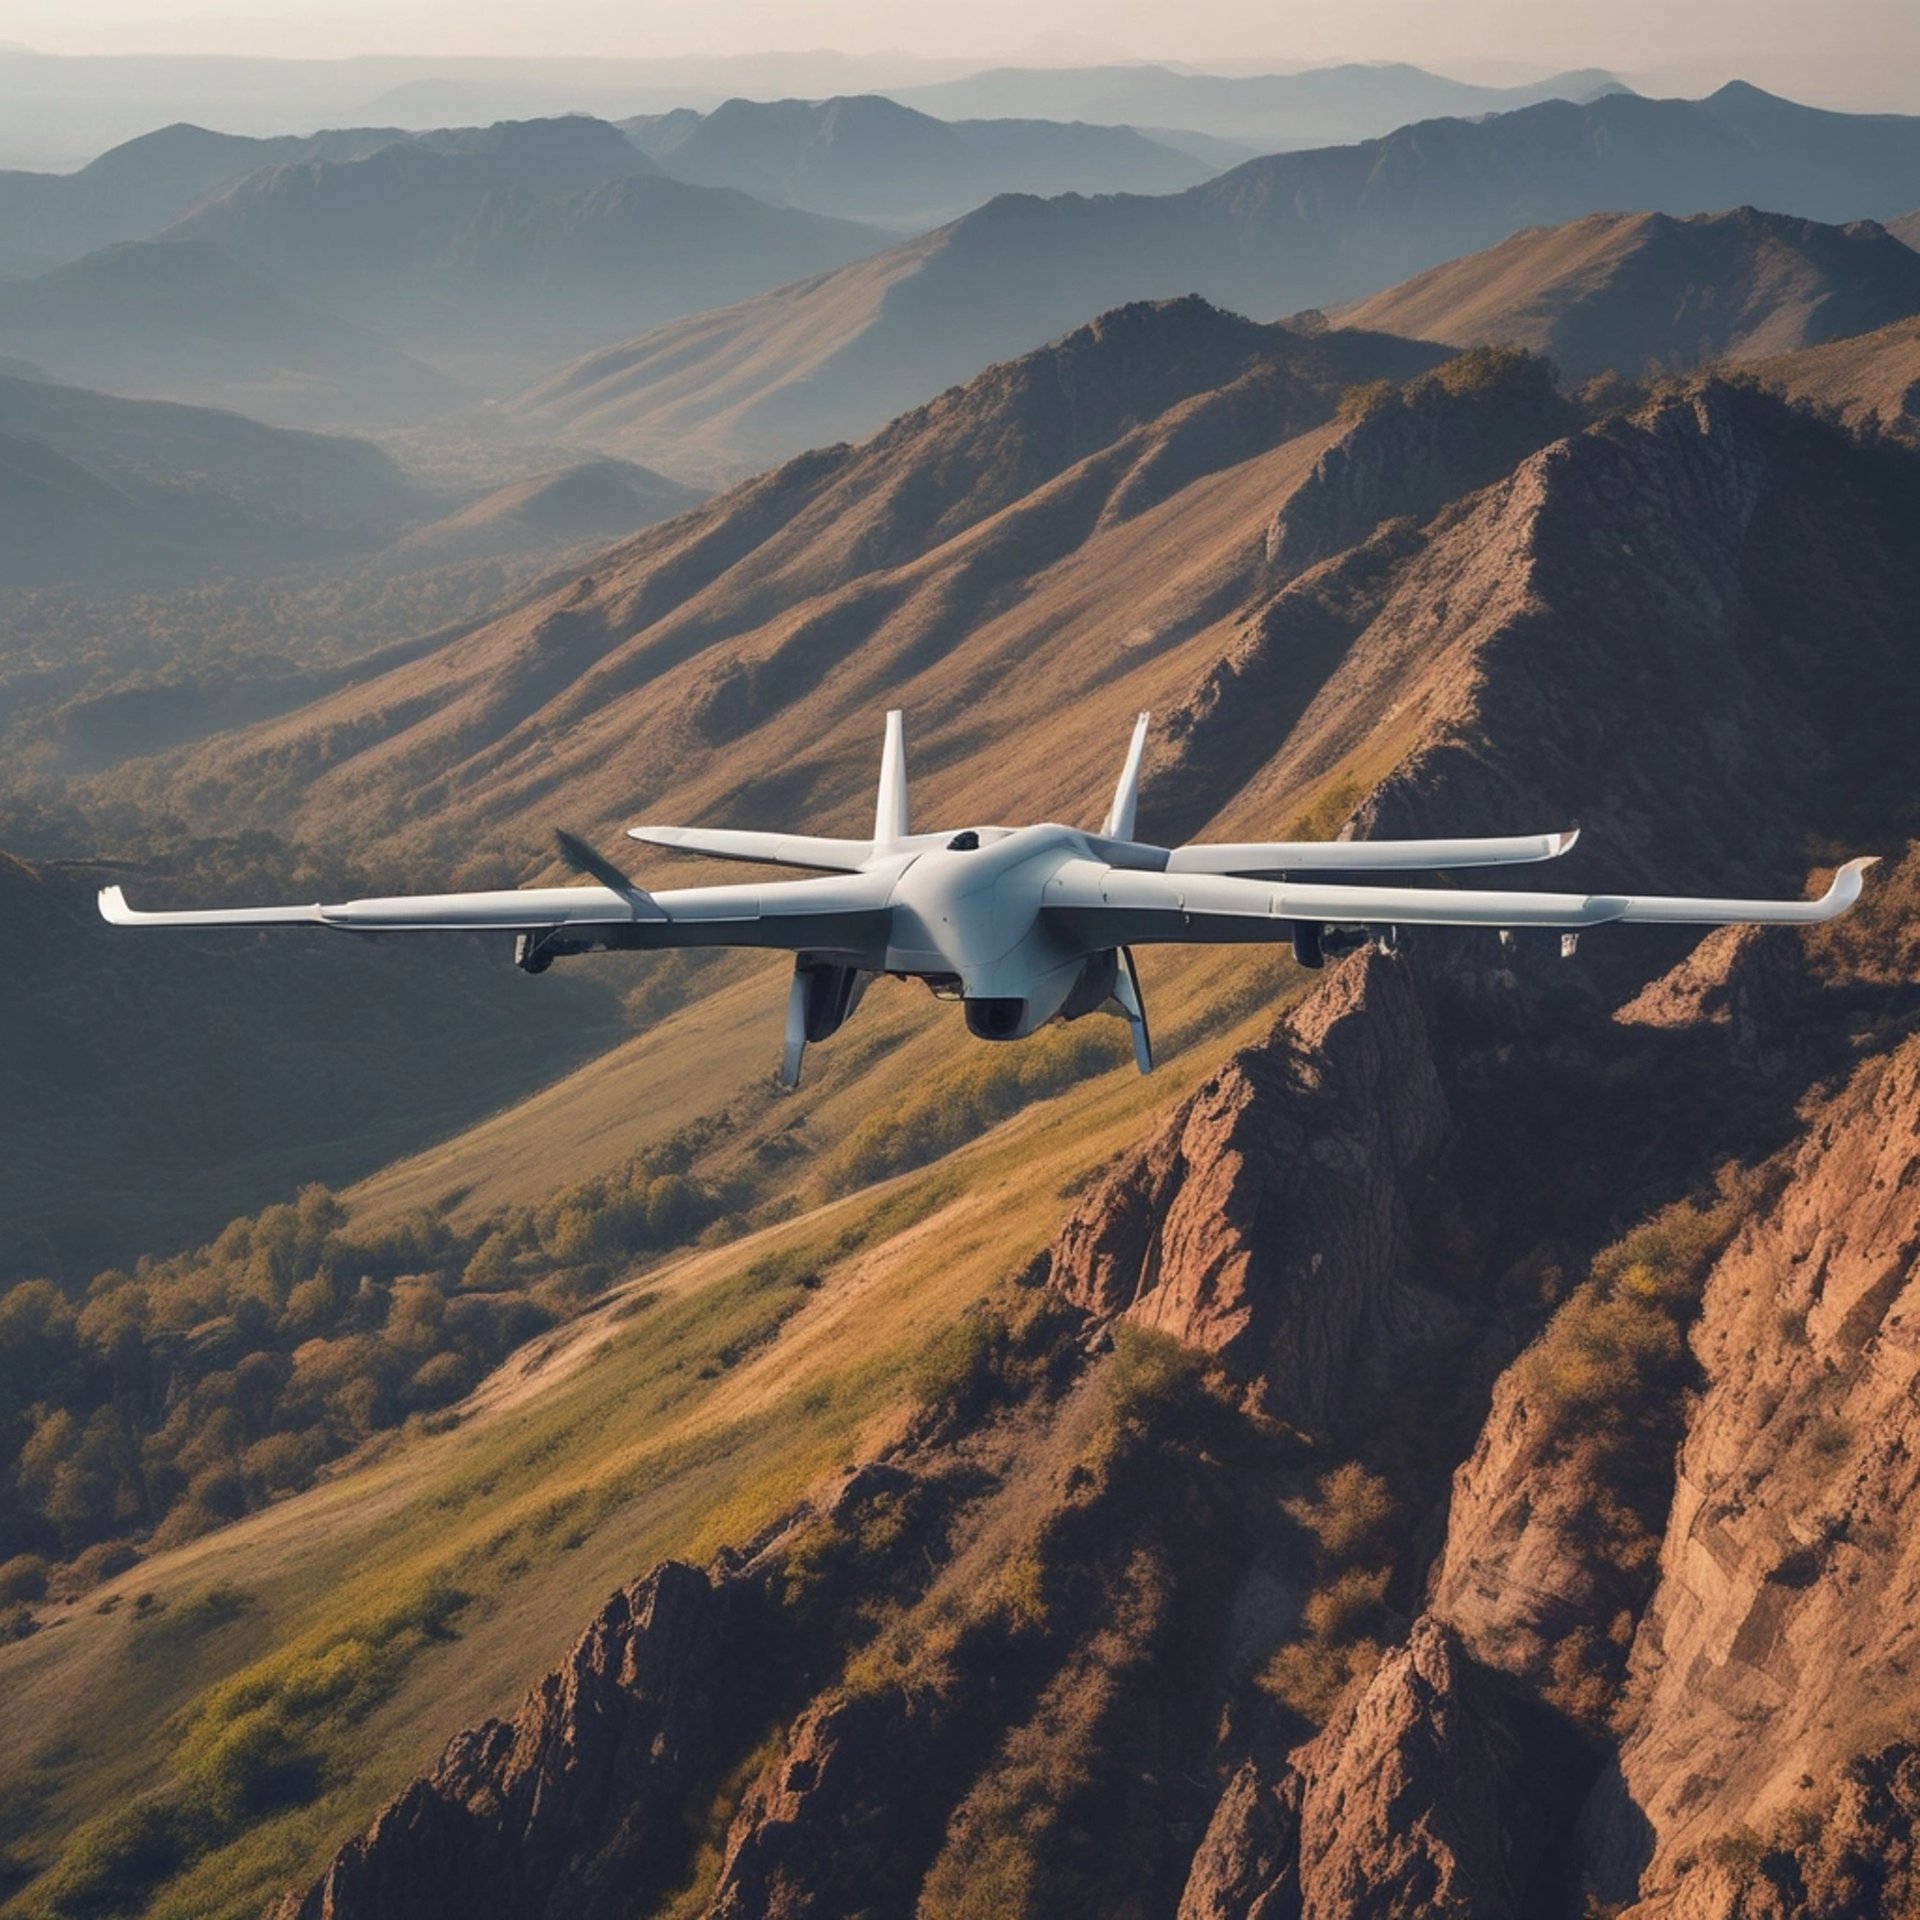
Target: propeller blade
596 866
1126 990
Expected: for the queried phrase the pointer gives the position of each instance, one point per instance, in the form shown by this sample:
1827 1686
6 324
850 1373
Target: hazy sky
1860 53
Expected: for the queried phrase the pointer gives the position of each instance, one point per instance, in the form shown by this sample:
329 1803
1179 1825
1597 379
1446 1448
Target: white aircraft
1021 925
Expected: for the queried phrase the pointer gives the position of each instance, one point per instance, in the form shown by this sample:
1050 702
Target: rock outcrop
1420 1800
1783 1639
1750 982
1268 1221
575 1807
1414 449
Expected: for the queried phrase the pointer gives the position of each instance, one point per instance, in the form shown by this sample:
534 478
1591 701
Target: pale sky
1858 53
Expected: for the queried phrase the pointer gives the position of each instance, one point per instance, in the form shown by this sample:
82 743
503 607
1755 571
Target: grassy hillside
740 1376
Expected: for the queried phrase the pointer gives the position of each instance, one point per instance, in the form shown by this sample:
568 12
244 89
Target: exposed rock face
1267 1222
1412 1804
1248 1866
1413 451
1752 982
575 1807
1784 1630
815 1832
1521 1570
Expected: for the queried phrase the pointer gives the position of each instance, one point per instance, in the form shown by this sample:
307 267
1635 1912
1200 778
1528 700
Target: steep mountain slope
1288 231
1871 382
1320 105
1079 1584
943 545
1636 293
180 320
555 232
138 187
868 158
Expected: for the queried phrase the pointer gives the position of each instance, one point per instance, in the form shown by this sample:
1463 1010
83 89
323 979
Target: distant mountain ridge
183 320
1645 292
97 488
1351 101
537 238
133 189
836 356
866 157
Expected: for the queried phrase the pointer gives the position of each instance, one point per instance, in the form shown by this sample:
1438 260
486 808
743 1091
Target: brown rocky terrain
1472 1765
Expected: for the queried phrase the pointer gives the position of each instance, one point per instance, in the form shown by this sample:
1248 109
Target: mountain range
60 110
102 488
1442 1447
869 158
183 320
835 356
1311 108
534 237
136 188
1275 1486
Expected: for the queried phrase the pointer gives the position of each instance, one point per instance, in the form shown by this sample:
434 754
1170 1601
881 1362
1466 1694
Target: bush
111 1864
957 1364
254 1765
24 1577
1152 1379
98 1563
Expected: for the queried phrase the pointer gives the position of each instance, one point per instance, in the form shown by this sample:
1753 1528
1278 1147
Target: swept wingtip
1563 842
1848 882
113 907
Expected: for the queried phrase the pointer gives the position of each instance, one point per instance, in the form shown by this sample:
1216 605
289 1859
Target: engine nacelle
832 992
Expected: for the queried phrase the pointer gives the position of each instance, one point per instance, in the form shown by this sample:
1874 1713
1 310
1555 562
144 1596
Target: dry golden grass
624 1438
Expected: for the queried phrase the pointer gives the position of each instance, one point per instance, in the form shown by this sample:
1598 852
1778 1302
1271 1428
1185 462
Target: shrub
1352 1514
111 1863
24 1577
956 1365
1152 1377
253 1765
97 1563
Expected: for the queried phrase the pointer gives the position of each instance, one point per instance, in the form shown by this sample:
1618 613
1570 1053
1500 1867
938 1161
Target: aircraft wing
1100 906
770 849
1368 856
842 914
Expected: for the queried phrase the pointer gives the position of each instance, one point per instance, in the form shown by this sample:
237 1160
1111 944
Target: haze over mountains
59 111
541 234
1320 106
868 158
831 358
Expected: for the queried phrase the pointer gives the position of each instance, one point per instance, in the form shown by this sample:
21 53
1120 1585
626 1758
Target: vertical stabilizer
1118 824
890 814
